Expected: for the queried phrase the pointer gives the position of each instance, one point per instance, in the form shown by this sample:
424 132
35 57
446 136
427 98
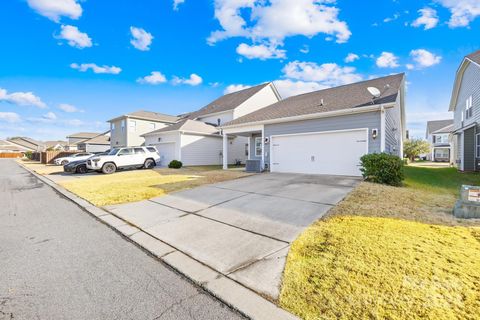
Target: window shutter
433 139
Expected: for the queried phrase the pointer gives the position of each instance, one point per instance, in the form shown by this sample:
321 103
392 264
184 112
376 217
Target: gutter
329 114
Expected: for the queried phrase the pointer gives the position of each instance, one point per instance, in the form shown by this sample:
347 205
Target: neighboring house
10 147
196 138
29 143
75 138
439 135
326 131
56 145
465 105
127 130
99 143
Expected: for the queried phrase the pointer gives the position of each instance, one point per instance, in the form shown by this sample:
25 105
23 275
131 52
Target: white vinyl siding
224 117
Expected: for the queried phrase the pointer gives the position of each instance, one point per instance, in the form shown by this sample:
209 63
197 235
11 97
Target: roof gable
227 102
349 96
436 125
471 59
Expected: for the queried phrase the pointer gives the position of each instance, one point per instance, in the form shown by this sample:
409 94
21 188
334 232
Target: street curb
233 294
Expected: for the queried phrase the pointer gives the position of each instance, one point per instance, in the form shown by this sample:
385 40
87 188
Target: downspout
382 128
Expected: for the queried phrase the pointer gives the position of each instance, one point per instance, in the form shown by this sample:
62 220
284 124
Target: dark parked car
81 165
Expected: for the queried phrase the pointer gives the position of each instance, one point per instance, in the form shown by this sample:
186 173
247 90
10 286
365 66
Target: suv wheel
81 169
109 168
149 164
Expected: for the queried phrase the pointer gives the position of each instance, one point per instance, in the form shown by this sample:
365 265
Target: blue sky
70 65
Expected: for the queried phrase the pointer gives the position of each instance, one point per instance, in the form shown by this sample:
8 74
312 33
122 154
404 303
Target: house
326 131
127 130
57 145
196 138
99 143
10 147
75 138
439 135
29 143
465 105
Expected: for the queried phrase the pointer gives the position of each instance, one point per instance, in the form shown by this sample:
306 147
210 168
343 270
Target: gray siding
393 129
370 120
470 86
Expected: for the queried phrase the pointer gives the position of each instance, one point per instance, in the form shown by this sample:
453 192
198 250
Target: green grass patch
439 180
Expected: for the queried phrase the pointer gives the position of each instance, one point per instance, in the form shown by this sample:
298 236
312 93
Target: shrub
29 155
382 168
175 164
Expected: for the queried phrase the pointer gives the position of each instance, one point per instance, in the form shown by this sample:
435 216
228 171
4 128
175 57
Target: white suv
125 158
76 157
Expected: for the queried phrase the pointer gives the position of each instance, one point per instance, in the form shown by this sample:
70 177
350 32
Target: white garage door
166 151
334 152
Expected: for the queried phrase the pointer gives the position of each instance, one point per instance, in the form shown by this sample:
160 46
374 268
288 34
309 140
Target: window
139 150
152 125
132 125
151 149
112 127
442 153
123 125
477 145
126 151
468 107
258 146
440 138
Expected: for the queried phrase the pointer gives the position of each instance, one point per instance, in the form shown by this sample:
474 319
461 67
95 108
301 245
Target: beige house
75 138
127 130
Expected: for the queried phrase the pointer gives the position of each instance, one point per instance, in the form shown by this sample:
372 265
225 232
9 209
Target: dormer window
468 108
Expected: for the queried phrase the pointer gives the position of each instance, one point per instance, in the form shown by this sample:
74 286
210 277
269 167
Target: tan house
127 130
75 138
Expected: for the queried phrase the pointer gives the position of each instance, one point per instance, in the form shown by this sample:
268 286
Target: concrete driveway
241 228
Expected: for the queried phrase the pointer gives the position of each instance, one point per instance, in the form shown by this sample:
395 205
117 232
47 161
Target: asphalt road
57 262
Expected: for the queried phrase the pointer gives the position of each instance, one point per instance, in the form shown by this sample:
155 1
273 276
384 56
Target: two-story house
127 130
465 105
196 138
439 135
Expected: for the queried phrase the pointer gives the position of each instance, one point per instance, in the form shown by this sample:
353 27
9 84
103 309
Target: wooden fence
11 155
48 157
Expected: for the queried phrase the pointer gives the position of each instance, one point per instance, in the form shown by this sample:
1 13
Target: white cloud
75 37
305 49
50 116
428 18
68 108
387 60
393 18
141 38
327 74
234 88
260 51
194 80
410 66
155 77
55 9
424 58
351 57
176 3
288 88
462 11
9 117
276 20
21 98
96 68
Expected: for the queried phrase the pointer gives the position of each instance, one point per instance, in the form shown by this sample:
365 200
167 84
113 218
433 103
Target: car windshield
113 152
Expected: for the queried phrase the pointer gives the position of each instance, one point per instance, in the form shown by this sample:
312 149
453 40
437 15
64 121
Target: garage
166 151
329 152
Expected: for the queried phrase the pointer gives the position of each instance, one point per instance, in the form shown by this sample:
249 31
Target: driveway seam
282 197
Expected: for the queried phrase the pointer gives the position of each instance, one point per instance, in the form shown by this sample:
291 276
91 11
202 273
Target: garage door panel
166 151
319 153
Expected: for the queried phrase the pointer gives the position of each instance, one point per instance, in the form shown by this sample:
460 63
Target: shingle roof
435 125
84 135
28 142
100 139
149 115
227 102
53 143
189 126
475 56
447 129
9 146
343 97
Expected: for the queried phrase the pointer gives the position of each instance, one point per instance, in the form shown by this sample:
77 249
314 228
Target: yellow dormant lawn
136 185
389 253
